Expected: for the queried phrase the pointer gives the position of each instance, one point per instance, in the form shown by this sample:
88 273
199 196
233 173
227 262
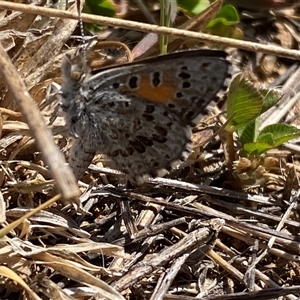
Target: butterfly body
141 114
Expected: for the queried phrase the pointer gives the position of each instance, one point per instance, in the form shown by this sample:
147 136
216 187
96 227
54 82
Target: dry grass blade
261 295
6 272
62 174
193 235
187 244
2 209
69 270
4 231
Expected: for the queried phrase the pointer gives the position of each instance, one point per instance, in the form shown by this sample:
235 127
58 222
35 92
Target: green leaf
266 137
227 16
244 103
224 24
194 7
248 134
271 97
277 134
257 148
271 137
100 7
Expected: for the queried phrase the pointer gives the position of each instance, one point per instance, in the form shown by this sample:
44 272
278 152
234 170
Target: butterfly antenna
78 2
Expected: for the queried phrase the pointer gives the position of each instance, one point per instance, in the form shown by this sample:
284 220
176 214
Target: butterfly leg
80 158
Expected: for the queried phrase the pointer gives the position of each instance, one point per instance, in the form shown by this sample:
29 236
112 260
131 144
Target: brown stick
61 172
249 46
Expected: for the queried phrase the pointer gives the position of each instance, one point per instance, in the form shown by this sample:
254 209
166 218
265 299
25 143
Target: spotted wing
186 82
142 138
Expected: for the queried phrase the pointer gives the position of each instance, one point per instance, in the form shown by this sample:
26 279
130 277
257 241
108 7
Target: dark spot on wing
133 82
186 85
190 115
144 140
149 109
161 130
179 95
148 117
130 150
156 79
156 164
118 152
184 75
158 138
116 85
138 146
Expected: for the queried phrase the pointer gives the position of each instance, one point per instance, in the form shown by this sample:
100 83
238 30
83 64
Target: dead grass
193 235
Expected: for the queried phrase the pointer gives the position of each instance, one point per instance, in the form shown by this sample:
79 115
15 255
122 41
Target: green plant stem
165 20
230 152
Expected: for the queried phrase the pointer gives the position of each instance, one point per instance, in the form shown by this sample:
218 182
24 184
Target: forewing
185 82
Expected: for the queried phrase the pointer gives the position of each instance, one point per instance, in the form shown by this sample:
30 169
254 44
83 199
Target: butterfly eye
74 68
77 76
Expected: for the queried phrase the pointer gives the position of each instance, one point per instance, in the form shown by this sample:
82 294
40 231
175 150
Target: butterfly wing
185 82
143 139
140 114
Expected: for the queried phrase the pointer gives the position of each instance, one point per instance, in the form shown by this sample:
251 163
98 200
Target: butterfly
140 114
